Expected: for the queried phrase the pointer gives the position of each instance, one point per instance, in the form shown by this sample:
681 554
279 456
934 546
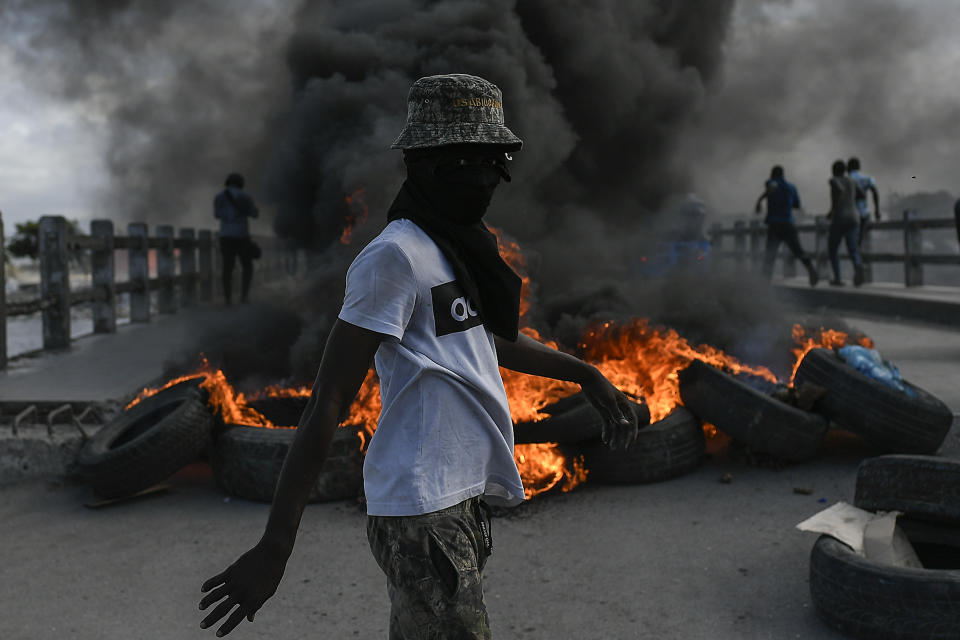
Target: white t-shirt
445 433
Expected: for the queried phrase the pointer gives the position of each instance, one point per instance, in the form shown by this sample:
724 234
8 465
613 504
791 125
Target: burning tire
665 449
883 416
762 422
147 443
246 463
866 599
573 420
923 487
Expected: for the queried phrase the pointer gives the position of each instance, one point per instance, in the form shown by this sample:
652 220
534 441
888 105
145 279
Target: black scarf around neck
474 255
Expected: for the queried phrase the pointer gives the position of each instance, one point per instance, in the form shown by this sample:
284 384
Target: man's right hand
248 582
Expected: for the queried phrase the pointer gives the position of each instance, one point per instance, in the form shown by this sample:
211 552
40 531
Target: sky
801 84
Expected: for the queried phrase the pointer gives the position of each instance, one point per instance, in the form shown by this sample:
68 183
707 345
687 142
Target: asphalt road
685 559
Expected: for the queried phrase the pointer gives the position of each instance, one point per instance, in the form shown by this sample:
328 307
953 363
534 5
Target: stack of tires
148 442
664 449
246 461
762 422
888 419
167 431
863 598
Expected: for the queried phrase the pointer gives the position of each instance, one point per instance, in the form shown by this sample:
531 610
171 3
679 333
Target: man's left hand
619 420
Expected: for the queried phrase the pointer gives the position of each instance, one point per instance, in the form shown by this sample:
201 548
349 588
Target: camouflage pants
433 564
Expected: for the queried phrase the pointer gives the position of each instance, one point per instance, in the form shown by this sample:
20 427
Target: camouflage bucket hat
454 109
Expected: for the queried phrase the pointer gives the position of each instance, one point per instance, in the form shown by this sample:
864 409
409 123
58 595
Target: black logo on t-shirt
453 311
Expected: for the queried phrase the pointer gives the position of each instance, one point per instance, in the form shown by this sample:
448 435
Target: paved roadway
686 559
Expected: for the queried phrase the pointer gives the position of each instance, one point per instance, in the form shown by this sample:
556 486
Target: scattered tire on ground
665 449
762 422
572 420
148 442
865 599
246 463
924 487
882 415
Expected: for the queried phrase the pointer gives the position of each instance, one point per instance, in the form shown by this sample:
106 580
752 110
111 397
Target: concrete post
217 267
54 282
205 242
104 279
3 298
166 295
756 258
716 241
820 243
188 267
740 243
867 247
139 267
912 248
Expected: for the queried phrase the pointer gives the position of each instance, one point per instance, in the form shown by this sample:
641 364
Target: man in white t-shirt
433 303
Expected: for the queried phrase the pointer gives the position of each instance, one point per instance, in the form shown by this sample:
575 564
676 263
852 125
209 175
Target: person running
433 304
232 207
782 198
867 185
844 222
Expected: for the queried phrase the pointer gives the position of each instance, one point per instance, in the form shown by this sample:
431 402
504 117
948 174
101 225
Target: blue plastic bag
869 363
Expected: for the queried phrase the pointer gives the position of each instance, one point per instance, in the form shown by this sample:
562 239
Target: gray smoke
809 81
183 91
305 99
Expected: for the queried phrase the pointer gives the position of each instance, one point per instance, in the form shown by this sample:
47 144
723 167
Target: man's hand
619 420
248 582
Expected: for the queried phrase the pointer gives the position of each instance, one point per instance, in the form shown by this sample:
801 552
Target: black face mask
459 180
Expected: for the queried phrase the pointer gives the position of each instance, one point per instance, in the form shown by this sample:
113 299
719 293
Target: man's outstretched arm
526 355
253 578
757 207
876 201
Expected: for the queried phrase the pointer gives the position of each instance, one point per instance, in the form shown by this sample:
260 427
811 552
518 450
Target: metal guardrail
187 272
748 246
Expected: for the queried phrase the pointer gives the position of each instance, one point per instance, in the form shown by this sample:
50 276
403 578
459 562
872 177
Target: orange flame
644 362
641 360
232 407
512 255
542 467
358 214
825 338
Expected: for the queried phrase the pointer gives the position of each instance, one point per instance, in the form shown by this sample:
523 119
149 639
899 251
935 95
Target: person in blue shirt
782 198
232 207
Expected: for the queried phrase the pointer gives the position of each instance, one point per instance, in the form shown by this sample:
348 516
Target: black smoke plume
306 98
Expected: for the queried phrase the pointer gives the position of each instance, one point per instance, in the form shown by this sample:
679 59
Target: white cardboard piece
872 535
843 521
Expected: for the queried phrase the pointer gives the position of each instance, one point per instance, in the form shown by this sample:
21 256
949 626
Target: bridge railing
186 264
748 245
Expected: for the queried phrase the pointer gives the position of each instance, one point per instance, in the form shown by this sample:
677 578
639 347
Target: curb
879 303
34 452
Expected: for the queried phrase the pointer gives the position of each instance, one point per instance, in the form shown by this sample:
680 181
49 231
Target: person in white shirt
431 301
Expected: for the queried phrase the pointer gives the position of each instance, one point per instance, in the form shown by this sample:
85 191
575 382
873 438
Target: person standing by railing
782 198
844 222
232 207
